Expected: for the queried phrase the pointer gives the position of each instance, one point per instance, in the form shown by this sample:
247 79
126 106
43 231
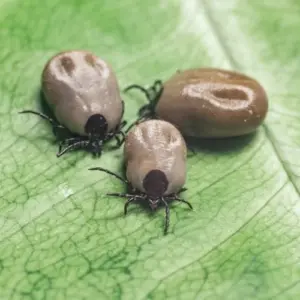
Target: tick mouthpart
96 126
96 147
153 203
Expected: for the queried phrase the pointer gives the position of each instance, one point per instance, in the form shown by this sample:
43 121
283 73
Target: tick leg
184 201
167 217
120 142
157 88
116 136
136 86
182 190
60 145
99 150
158 85
140 119
131 125
110 173
67 142
55 127
77 145
123 124
123 108
126 205
71 140
43 116
145 110
109 136
120 195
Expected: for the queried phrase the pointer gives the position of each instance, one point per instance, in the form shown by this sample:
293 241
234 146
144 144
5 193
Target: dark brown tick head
96 126
155 184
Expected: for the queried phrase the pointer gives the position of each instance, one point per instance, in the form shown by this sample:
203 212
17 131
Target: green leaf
62 238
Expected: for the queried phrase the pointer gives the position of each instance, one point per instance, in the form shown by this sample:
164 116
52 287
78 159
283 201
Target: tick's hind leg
119 131
120 141
147 112
43 116
77 145
167 216
115 134
182 190
176 197
112 174
67 142
122 124
130 200
140 120
151 93
62 134
184 201
139 87
157 88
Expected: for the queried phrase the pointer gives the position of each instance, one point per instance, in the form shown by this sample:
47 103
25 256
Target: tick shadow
220 145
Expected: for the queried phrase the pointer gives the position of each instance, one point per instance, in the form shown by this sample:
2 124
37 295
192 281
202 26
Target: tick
206 103
155 159
83 92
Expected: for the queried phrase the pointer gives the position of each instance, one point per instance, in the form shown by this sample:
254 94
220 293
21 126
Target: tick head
96 126
155 184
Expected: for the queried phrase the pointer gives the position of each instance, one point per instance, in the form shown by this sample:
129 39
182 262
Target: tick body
155 158
83 92
207 103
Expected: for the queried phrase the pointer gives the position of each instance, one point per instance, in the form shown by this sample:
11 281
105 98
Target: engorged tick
155 159
206 103
83 92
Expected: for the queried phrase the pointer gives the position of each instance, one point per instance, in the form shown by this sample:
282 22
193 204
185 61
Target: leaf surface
62 238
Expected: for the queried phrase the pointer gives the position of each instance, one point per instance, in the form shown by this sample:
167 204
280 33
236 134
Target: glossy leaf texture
63 238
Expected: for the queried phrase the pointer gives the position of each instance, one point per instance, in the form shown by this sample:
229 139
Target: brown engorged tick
207 103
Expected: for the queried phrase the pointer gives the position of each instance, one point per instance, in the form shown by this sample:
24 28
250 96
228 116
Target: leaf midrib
234 64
